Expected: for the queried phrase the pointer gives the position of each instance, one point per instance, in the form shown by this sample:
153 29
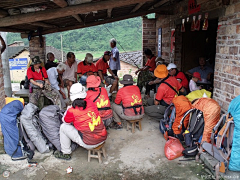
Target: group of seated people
90 112
168 82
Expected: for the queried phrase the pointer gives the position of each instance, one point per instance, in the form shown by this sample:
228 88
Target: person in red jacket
99 96
82 124
180 76
86 68
130 97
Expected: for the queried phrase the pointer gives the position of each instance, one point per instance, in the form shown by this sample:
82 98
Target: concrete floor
129 157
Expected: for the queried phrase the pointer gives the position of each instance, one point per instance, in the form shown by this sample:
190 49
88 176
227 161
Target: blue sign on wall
160 42
18 64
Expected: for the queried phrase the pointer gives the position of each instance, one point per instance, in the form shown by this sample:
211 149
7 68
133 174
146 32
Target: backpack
50 121
203 117
194 132
30 122
174 125
14 143
221 144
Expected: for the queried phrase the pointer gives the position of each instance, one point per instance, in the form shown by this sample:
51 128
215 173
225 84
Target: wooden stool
135 123
97 153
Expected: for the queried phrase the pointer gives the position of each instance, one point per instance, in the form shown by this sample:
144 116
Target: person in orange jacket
99 96
128 102
82 124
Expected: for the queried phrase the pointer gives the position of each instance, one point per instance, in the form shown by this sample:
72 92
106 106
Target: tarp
8 120
198 94
234 110
211 114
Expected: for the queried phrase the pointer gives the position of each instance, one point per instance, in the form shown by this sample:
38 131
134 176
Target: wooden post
2 102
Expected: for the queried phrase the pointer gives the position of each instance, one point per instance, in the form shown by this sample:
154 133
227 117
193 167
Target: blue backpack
14 143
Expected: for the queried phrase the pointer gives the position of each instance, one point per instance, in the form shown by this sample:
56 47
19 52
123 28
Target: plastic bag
173 148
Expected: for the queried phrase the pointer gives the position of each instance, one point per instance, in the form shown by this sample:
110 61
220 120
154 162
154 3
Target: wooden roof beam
109 13
162 2
137 7
60 3
78 18
108 20
66 11
3 13
41 24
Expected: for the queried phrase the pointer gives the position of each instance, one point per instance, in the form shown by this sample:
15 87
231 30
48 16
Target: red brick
238 29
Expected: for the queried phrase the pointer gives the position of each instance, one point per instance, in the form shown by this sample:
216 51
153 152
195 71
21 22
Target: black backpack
194 132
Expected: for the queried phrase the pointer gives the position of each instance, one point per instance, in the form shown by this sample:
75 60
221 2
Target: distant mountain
127 32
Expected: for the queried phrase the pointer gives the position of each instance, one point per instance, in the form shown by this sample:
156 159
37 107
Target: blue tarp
234 109
8 120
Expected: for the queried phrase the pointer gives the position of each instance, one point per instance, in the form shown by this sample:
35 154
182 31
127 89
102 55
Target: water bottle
30 88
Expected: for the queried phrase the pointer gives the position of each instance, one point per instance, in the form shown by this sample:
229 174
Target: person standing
114 62
70 74
50 59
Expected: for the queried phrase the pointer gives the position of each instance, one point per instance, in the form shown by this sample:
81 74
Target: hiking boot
60 155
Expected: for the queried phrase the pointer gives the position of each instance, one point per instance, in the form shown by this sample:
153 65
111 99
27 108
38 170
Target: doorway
197 44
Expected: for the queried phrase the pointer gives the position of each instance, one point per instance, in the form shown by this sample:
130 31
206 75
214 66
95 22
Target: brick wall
2 102
36 50
149 35
227 67
163 21
227 63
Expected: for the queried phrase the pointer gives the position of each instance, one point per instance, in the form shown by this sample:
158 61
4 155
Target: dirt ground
130 156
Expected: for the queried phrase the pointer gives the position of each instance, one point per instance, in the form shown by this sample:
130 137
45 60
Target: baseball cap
107 53
171 66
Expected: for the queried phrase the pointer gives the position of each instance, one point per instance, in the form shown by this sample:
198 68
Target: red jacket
130 96
88 123
101 102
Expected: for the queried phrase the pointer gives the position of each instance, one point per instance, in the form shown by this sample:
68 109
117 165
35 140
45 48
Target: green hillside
95 39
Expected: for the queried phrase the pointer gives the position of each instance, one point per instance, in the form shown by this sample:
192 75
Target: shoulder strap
184 117
165 116
28 141
170 86
98 95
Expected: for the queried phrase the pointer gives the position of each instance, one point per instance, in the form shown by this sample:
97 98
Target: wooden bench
97 153
132 124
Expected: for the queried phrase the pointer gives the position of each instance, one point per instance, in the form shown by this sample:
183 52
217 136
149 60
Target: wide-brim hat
36 60
77 91
93 81
161 71
127 79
